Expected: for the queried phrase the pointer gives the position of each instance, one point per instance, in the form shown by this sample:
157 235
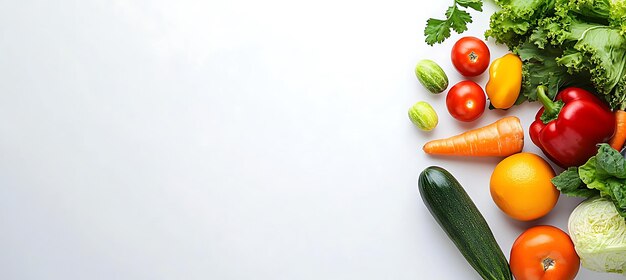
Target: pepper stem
545 100
551 108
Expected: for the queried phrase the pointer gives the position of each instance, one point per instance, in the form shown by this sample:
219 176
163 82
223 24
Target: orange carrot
617 142
501 138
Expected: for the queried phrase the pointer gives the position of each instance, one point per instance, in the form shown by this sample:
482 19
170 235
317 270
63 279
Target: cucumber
431 76
455 212
423 116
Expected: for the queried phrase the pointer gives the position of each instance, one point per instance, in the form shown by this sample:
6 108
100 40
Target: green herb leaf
437 30
474 4
458 19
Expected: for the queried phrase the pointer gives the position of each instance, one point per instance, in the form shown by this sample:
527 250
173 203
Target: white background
228 140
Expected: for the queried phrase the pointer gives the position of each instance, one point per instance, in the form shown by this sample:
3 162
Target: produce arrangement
569 55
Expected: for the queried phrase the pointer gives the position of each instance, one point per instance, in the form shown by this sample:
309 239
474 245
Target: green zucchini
455 212
431 76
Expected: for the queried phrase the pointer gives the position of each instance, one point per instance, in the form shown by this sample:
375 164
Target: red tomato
470 56
466 101
544 253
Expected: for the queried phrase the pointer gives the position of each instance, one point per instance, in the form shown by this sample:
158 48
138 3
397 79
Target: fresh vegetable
599 235
544 253
603 174
568 129
617 142
437 30
566 43
466 101
423 116
505 81
458 216
431 76
470 56
520 186
539 67
515 21
501 138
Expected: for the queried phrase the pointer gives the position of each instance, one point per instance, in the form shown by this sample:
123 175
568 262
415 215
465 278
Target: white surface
227 140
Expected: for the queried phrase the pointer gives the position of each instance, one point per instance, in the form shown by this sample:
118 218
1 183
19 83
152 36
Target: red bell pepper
568 129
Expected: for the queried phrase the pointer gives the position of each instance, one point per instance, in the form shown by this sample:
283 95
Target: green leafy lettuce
566 43
603 174
541 62
515 22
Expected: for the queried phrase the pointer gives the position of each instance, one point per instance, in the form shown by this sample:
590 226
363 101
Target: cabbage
599 235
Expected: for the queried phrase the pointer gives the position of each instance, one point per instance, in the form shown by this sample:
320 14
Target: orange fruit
520 186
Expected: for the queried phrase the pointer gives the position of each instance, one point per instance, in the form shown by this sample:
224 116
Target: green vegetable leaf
617 15
593 177
606 173
539 67
517 19
570 184
616 190
621 211
591 10
599 50
458 19
611 161
474 4
437 30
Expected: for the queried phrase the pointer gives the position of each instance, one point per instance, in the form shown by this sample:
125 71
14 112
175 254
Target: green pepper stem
551 108
549 105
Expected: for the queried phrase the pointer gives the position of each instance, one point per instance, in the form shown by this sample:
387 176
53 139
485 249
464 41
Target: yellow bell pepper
505 81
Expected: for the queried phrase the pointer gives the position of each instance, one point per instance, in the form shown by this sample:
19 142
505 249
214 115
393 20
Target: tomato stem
547 263
473 56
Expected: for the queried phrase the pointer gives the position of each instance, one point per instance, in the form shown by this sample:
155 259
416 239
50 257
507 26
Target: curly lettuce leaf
588 10
617 15
539 67
605 48
592 49
517 19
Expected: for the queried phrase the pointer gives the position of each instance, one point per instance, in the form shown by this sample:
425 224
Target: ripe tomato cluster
466 100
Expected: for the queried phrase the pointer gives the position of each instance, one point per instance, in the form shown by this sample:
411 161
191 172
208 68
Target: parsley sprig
437 30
